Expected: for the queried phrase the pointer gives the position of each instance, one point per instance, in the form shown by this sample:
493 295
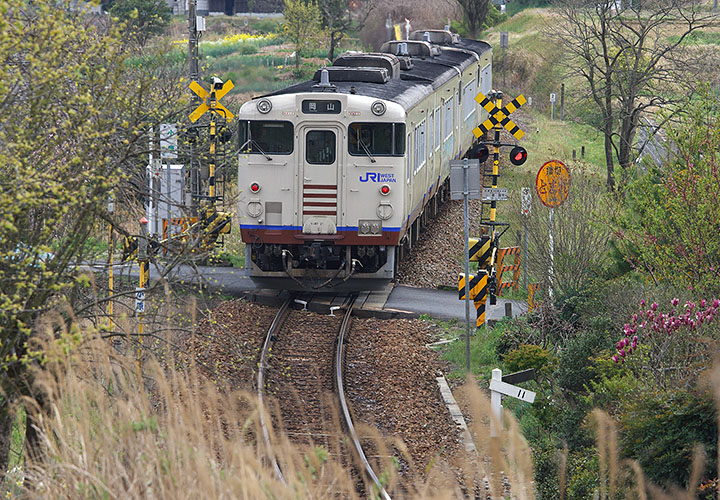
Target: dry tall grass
174 434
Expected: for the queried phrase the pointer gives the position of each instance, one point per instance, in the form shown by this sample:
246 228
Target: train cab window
266 137
376 139
320 147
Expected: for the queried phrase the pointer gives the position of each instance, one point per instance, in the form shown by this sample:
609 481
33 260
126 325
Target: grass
698 38
483 357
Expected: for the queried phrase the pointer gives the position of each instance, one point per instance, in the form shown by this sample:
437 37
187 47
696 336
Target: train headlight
384 190
384 210
264 106
378 108
255 187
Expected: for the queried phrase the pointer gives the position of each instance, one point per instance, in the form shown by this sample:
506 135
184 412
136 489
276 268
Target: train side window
408 160
438 128
431 133
486 80
448 119
266 136
320 147
469 100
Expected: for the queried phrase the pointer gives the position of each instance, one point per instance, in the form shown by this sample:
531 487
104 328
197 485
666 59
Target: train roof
414 84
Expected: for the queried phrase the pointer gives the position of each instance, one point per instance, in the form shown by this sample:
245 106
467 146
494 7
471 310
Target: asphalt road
442 304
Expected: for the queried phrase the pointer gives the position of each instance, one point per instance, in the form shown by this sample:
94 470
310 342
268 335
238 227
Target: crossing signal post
484 250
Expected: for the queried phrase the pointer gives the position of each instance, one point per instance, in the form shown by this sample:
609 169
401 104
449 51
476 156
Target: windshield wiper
365 148
253 142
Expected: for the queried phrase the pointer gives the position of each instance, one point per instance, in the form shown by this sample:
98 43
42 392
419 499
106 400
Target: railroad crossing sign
553 183
499 116
525 201
211 101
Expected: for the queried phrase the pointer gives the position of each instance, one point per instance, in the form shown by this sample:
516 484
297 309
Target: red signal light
254 187
518 155
385 189
481 152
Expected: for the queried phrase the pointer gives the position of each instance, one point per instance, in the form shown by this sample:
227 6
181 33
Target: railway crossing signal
518 155
477 286
480 249
499 116
211 100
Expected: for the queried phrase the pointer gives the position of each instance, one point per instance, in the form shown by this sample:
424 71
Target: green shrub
525 357
266 25
494 17
546 460
576 367
583 473
660 429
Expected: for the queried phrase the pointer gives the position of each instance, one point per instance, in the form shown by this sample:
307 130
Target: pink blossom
716 303
642 302
674 301
654 306
615 358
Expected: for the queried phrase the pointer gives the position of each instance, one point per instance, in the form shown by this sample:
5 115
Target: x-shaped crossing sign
207 102
499 116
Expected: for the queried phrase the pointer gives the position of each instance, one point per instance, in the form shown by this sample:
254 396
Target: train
338 175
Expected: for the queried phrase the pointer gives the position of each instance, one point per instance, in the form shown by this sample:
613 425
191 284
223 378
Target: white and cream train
337 175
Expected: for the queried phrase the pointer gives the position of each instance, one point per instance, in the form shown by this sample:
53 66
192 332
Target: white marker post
498 388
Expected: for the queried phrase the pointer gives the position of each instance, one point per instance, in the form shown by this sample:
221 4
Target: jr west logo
377 177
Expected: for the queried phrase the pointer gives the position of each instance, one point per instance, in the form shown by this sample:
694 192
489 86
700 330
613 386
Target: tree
143 18
475 11
630 61
74 125
302 25
670 226
340 15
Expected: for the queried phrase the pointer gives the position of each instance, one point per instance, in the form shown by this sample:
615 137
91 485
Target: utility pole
194 68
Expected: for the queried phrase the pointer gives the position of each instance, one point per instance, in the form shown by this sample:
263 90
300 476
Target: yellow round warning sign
553 183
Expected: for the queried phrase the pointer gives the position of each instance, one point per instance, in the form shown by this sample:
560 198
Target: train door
321 160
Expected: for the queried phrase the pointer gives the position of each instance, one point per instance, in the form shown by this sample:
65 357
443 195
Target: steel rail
339 362
274 327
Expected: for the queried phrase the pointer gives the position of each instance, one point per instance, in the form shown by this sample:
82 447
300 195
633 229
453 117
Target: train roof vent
390 62
415 48
354 74
405 63
443 37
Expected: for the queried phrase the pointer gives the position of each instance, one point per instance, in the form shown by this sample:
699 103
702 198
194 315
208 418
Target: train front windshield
378 139
266 136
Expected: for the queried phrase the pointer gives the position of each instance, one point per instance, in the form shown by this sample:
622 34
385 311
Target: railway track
306 378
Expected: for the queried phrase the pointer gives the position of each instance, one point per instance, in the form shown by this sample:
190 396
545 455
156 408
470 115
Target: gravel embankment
436 259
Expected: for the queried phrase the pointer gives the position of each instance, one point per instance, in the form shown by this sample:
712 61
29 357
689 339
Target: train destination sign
553 183
321 107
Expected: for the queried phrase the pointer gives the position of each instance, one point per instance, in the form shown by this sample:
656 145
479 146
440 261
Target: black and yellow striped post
481 250
478 288
111 276
212 101
144 264
480 310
